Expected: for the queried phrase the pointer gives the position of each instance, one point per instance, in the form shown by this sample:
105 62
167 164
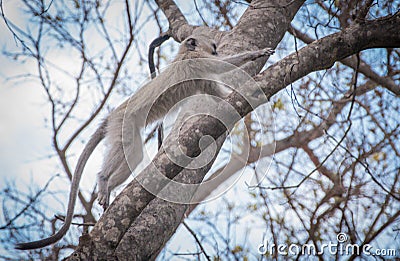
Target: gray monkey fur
131 115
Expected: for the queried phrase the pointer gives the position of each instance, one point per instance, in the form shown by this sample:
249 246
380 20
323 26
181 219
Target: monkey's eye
191 44
214 52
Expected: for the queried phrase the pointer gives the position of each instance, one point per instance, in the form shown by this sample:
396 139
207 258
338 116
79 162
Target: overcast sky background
26 154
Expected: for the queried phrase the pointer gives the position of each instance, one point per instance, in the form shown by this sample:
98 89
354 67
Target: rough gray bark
363 67
160 218
129 223
323 53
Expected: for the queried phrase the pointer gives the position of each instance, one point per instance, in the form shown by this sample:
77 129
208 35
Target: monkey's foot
103 199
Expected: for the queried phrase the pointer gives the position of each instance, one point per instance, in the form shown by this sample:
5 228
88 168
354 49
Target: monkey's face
200 44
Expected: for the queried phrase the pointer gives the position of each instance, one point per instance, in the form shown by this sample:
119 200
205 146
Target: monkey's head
198 46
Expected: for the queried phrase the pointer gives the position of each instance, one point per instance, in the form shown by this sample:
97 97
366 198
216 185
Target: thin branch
197 240
29 204
112 84
366 168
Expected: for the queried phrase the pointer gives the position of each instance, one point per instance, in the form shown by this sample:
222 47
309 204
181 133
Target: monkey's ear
191 44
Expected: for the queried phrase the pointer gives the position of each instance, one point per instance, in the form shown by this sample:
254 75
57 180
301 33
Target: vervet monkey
147 105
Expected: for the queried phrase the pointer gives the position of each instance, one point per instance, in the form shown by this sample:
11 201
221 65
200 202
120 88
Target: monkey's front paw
268 51
263 53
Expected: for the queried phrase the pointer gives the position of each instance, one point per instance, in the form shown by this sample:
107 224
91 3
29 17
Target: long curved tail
87 151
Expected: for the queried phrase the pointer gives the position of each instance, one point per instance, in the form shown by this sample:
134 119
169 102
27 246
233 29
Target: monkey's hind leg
119 163
112 161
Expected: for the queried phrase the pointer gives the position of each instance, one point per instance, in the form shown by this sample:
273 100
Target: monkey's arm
242 58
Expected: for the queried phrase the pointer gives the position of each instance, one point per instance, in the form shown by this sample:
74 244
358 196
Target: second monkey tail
156 43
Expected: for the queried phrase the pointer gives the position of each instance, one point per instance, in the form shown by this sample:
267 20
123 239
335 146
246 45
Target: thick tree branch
161 217
323 53
351 62
178 25
179 28
272 21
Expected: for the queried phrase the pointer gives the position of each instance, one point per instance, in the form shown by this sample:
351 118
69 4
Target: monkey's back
156 98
